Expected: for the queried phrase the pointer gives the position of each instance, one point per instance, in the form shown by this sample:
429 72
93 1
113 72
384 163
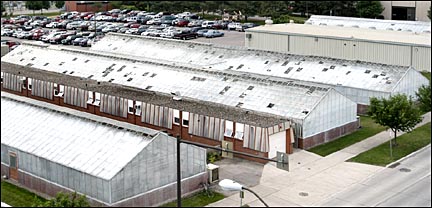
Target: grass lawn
407 144
37 13
16 196
369 128
199 199
427 75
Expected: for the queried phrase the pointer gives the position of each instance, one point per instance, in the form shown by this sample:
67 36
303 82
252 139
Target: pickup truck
184 35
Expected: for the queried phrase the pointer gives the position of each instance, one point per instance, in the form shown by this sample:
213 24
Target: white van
208 24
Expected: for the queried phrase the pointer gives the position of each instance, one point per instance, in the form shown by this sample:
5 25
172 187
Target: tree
33 5
2 8
64 200
59 4
369 9
429 13
424 98
45 5
397 113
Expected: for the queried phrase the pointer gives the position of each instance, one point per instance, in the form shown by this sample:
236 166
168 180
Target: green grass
369 128
427 75
199 199
37 13
407 144
16 196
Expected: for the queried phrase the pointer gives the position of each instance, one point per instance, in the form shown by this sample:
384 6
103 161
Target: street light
230 185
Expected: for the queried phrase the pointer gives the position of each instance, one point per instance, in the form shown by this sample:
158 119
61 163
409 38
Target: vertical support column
288 143
178 173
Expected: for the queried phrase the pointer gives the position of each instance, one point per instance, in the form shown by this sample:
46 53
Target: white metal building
313 108
373 24
377 46
357 80
48 149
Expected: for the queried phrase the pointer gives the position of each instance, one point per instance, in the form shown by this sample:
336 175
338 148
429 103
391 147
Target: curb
410 155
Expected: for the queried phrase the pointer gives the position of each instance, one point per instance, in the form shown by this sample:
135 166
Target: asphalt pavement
408 184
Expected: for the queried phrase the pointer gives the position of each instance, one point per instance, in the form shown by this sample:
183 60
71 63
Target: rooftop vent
74 59
224 90
375 76
33 58
89 77
64 72
111 80
250 87
325 69
288 70
240 66
71 72
153 75
239 104
61 63
148 87
299 69
121 68
200 79
86 61
332 67
266 62
383 74
367 71
270 105
46 64
348 72
321 62
242 95
285 63
305 111
130 79
146 73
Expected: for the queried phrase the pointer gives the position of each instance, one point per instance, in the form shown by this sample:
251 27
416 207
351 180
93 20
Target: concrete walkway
312 179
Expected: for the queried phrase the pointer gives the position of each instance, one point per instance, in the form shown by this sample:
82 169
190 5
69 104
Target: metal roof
322 70
81 144
372 24
235 89
363 34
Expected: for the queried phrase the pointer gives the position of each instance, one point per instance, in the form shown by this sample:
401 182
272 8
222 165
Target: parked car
77 41
233 25
181 22
85 42
213 33
208 24
68 40
201 32
185 35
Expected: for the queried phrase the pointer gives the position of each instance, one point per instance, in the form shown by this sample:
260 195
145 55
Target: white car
52 25
132 30
233 25
154 21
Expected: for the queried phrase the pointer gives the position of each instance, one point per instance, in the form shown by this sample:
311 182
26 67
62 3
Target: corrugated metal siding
65 176
332 111
382 53
421 58
344 49
156 166
410 83
272 42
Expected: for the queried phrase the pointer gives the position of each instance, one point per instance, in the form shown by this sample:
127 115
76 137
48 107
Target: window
138 105
90 97
176 117
12 160
239 131
29 83
97 99
130 107
185 116
228 128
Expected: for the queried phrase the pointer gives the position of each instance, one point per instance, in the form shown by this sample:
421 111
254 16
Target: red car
135 25
182 23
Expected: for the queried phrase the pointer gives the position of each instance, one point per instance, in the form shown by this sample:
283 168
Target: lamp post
230 185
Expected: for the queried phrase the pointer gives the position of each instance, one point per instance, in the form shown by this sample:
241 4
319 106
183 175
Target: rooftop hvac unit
213 173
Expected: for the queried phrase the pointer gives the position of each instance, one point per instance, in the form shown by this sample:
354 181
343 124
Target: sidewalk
312 179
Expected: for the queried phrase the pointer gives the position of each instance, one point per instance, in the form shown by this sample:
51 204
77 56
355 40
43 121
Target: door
13 166
277 143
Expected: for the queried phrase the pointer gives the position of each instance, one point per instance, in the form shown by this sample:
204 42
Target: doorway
13 166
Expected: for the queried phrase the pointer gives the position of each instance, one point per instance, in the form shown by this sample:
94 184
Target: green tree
59 4
369 9
424 98
64 200
2 8
33 5
45 5
116 4
397 113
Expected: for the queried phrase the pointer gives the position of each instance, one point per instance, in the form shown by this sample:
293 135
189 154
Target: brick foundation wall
362 109
328 136
154 198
